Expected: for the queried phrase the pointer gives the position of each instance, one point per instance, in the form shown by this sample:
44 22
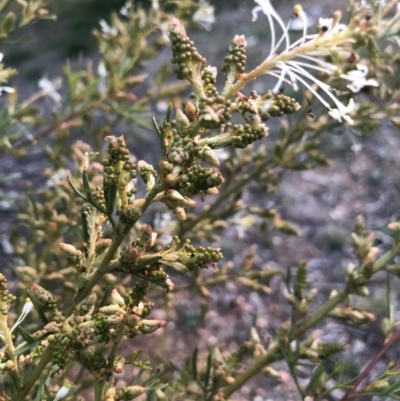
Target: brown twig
375 359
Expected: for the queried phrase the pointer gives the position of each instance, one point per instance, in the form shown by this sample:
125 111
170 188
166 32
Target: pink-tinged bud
150 326
102 245
115 320
118 364
110 310
175 26
87 305
69 251
240 41
173 199
129 393
146 238
45 298
165 167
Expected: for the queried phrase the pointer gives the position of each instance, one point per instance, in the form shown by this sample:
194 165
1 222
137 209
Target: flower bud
117 299
102 245
175 26
118 364
173 199
165 167
209 156
271 373
150 326
69 251
377 385
182 119
191 111
45 298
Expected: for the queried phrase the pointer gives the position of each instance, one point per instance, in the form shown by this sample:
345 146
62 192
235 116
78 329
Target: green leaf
208 370
86 183
157 128
110 194
76 190
41 390
35 209
314 379
37 306
182 372
85 231
169 112
26 336
26 348
194 363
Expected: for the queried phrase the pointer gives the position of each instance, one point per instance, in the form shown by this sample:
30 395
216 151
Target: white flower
358 78
6 89
125 9
105 28
103 74
25 311
342 112
62 392
296 72
204 15
266 7
49 88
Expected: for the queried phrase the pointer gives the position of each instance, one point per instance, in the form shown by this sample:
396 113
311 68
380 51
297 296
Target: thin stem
320 41
94 279
45 358
99 391
306 324
102 269
10 350
352 392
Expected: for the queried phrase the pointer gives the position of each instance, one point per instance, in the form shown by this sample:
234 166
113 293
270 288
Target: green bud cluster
94 359
62 351
98 196
236 58
325 350
214 110
267 106
198 258
181 151
209 78
196 179
45 298
6 298
118 169
184 55
129 393
138 293
243 136
168 131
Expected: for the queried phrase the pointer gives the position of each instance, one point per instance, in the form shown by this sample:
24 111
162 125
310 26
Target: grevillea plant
92 262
